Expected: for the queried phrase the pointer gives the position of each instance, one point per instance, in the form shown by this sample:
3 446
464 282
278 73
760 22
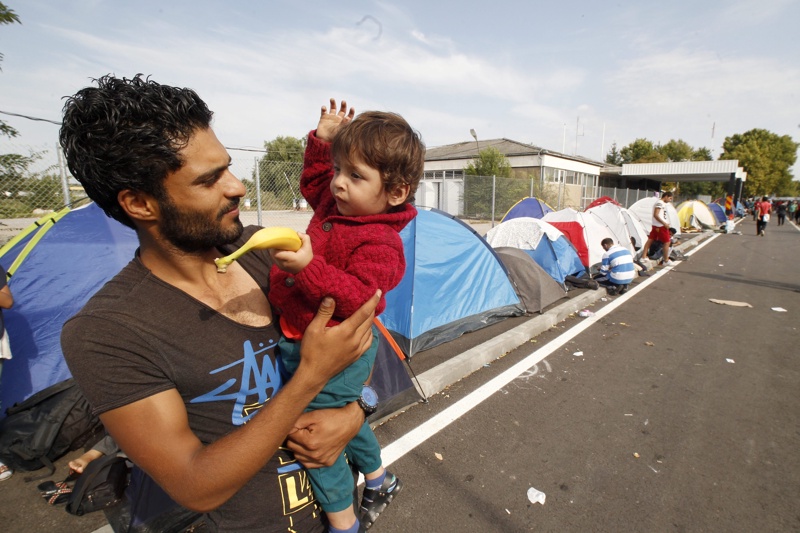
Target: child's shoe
374 501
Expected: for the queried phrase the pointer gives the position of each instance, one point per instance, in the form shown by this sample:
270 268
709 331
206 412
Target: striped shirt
618 265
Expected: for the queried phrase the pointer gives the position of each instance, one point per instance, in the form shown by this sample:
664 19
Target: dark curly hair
126 134
387 143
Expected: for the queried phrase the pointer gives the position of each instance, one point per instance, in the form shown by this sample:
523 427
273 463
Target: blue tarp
454 283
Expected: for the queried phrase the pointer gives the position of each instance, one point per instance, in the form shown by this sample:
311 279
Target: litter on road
729 302
536 496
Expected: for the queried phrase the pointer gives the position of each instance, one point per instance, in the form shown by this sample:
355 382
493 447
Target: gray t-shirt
139 336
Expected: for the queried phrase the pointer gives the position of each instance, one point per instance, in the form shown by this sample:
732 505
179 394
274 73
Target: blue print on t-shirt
262 380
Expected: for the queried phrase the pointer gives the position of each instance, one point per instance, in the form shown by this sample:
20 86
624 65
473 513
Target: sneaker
611 291
622 289
375 501
668 263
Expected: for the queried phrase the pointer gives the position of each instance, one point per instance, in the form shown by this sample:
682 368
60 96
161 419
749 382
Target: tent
622 224
454 283
584 230
602 200
55 265
719 212
58 263
535 288
545 244
528 207
643 210
696 215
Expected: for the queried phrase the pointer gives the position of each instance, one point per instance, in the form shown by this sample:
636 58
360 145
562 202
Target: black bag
101 485
46 426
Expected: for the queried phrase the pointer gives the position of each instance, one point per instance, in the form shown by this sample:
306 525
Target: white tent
584 230
643 210
622 224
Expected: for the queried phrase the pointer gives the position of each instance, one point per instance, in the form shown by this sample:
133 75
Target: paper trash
536 496
729 302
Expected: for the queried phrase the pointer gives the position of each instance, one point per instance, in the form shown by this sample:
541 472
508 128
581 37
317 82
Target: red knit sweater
353 256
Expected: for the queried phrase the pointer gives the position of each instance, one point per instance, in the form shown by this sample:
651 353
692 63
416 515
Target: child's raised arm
330 121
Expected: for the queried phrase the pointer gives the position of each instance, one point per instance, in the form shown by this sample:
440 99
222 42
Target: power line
30 118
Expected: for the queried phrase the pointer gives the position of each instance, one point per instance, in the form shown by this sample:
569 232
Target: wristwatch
368 400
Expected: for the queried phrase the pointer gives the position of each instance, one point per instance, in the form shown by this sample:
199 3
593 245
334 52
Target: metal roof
507 147
722 170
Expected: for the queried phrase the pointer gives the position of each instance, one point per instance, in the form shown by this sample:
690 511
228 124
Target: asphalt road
681 414
651 429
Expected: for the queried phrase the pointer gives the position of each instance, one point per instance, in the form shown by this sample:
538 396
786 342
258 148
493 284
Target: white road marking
432 426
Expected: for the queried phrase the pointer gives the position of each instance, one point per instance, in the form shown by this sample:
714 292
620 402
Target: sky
569 76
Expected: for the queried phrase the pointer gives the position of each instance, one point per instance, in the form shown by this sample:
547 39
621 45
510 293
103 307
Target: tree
7 16
280 167
614 157
285 149
676 151
766 157
640 151
487 178
490 162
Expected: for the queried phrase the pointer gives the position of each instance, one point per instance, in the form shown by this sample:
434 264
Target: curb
440 377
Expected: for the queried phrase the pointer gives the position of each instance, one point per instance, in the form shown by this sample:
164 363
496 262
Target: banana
280 238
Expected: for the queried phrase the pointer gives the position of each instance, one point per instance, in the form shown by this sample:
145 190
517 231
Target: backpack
52 422
101 485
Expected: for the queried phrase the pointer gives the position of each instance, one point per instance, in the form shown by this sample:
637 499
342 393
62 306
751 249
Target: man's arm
155 434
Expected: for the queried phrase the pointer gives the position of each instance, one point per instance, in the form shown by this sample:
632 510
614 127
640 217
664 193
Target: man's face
667 199
199 209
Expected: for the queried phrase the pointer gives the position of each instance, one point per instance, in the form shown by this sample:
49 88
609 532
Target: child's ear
399 194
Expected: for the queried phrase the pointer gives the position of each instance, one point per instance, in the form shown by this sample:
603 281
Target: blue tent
55 266
454 283
528 207
719 212
59 262
543 242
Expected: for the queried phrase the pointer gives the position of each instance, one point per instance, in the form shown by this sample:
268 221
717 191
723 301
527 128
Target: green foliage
638 151
478 184
676 150
285 149
7 16
702 154
490 162
767 158
614 157
22 191
279 173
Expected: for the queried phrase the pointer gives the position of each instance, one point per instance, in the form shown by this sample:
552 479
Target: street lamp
475 136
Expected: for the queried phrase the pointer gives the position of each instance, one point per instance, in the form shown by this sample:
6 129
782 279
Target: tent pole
419 385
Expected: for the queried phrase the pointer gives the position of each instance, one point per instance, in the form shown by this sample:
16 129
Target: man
660 229
178 359
763 210
617 267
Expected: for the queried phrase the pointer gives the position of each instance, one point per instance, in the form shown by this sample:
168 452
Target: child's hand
294 262
330 121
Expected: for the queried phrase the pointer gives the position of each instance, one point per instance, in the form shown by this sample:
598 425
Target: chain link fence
34 181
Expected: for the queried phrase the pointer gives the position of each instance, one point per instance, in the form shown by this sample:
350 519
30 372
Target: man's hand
294 262
331 121
320 436
324 351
